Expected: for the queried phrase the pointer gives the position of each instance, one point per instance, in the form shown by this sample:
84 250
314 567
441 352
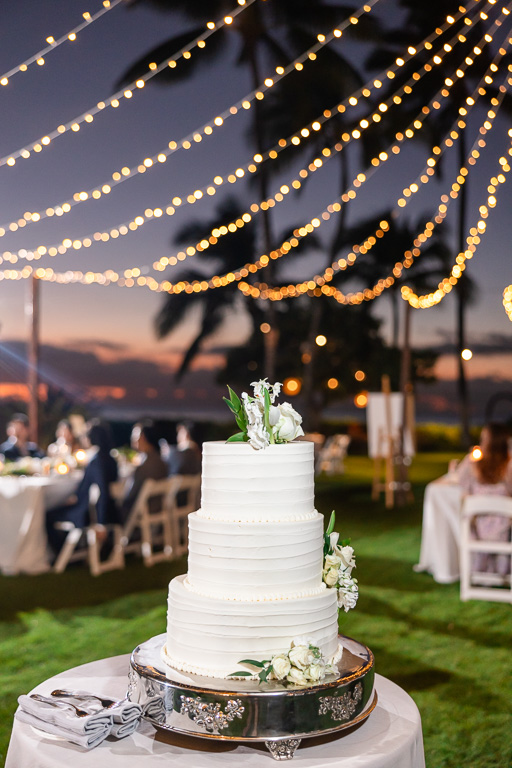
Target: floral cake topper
262 423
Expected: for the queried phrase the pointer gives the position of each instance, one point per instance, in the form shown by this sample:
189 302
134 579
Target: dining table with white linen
391 737
23 503
441 529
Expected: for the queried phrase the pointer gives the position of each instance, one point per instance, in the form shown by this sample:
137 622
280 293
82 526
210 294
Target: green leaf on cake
230 405
241 421
253 662
235 400
241 674
240 437
332 520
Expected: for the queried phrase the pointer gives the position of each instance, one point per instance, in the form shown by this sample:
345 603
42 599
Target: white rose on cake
315 672
331 576
288 427
297 677
301 656
281 666
347 557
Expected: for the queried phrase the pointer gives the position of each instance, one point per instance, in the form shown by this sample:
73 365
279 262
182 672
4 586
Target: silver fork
58 703
105 703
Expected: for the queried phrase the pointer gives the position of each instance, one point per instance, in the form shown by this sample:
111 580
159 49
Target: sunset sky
110 329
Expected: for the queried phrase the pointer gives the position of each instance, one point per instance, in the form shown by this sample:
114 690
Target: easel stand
390 461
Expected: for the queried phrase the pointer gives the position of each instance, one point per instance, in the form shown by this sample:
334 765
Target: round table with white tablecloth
390 738
23 501
440 531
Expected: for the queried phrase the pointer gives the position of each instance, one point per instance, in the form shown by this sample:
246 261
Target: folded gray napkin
122 710
121 730
87 732
106 717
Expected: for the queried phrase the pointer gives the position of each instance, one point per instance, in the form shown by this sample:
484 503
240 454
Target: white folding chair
480 585
150 520
181 504
93 539
161 521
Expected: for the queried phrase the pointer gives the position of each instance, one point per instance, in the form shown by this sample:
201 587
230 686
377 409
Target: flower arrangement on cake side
302 665
339 561
261 423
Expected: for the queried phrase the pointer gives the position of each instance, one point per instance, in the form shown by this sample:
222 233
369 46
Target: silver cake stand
241 710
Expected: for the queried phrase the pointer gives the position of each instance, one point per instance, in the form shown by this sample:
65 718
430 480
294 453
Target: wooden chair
92 538
160 520
478 585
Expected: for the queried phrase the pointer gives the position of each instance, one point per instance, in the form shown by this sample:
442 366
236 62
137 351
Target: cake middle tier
210 636
255 561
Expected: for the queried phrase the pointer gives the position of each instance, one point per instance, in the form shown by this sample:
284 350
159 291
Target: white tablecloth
440 532
390 738
23 501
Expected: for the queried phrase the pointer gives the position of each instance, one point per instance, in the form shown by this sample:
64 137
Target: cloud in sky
96 372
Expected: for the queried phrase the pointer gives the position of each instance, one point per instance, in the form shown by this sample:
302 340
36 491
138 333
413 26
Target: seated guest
17 444
144 440
488 470
65 440
185 457
101 471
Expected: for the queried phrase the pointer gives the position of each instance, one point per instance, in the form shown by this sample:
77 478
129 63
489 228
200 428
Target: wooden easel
390 454
385 454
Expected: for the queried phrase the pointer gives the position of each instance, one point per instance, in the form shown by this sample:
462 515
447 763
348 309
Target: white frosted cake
254 580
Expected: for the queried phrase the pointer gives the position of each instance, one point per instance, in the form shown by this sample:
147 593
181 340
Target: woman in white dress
488 471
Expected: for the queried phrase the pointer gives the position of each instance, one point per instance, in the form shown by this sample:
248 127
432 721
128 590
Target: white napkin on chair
87 732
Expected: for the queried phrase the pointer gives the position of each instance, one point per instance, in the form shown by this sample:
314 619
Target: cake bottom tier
209 636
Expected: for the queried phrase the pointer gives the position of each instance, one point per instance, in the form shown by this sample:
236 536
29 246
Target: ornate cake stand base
241 710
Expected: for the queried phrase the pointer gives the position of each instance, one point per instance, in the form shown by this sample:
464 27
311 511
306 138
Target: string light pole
32 313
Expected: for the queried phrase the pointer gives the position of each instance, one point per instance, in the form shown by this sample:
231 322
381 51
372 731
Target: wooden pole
32 311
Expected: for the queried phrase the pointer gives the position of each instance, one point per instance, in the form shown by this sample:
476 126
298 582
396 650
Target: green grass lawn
453 658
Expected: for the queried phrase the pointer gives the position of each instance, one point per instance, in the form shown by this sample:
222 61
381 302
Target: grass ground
453 658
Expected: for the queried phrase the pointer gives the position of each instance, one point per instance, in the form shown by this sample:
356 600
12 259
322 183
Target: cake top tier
242 484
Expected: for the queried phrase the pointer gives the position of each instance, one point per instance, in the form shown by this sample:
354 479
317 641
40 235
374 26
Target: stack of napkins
55 715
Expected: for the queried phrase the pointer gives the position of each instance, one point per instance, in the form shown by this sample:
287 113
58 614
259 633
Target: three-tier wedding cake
256 552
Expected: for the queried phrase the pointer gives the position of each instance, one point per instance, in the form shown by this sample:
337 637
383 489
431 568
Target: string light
129 274
507 301
472 240
211 188
189 141
89 277
39 58
317 285
125 93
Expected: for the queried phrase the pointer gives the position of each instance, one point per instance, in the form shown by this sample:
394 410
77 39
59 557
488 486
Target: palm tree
420 19
228 254
267 32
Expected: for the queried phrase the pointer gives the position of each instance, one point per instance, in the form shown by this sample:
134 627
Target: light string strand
317 285
426 301
126 92
239 173
195 136
136 278
108 5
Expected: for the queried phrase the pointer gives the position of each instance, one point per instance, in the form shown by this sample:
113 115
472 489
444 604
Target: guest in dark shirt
185 457
101 471
144 439
17 445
